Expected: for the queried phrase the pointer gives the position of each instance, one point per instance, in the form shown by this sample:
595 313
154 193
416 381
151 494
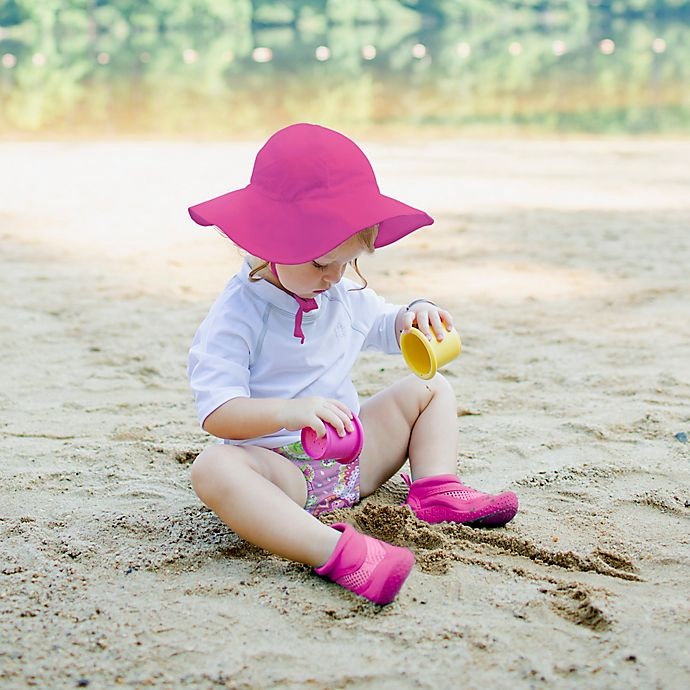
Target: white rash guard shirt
245 347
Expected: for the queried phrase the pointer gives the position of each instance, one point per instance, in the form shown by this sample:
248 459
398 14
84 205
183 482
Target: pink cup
343 449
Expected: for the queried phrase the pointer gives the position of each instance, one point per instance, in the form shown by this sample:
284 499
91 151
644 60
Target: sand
566 265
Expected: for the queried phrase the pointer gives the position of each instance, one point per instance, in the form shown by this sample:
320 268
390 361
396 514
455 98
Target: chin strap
305 305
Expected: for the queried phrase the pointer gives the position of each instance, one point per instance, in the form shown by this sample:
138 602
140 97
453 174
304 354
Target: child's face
307 280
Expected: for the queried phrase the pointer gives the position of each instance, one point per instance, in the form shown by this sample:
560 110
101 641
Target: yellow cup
424 356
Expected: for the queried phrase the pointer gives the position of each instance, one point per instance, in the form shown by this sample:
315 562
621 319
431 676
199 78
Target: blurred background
232 69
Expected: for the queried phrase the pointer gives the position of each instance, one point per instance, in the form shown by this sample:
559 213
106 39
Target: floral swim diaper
330 485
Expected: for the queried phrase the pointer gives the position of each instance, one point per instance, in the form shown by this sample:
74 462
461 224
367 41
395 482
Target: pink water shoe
444 498
367 566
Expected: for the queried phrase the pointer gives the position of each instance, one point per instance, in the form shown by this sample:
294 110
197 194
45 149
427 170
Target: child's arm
426 316
240 419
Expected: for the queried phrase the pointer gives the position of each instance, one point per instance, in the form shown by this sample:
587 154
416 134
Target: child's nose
335 273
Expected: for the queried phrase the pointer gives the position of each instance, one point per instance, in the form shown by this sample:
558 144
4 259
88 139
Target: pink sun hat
311 189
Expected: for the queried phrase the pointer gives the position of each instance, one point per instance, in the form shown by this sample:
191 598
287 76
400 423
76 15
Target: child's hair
366 237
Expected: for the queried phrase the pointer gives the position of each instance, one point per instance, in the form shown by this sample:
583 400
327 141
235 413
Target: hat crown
308 161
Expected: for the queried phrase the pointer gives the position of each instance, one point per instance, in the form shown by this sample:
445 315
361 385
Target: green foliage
273 13
159 77
178 13
13 13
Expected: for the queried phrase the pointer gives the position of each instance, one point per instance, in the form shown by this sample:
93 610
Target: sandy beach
566 266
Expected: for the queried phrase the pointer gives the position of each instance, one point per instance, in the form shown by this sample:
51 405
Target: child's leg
260 495
412 418
418 419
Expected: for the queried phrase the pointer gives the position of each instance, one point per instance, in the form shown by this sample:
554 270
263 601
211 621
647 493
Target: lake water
508 78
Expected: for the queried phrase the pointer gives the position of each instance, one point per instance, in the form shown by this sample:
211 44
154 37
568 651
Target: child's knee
206 469
441 385
427 390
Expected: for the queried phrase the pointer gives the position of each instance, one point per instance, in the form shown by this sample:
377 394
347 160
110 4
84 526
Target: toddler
274 355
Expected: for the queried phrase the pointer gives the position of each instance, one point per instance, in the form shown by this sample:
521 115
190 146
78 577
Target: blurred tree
12 13
226 12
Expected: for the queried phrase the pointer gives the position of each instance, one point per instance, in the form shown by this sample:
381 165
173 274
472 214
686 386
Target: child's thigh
222 466
388 418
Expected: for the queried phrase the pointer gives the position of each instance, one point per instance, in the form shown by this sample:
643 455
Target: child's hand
428 318
313 412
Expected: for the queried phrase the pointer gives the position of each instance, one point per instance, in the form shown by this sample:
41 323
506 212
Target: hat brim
298 231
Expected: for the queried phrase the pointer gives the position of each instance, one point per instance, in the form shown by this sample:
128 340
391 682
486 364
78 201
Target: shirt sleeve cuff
207 404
